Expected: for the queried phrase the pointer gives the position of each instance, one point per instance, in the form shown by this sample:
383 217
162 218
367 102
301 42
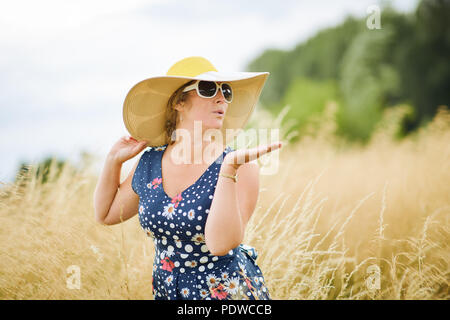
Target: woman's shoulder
152 149
229 149
159 148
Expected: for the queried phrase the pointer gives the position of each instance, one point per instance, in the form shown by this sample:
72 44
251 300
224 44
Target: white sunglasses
209 89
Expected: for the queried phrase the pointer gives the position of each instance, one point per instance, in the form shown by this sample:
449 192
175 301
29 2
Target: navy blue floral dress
184 268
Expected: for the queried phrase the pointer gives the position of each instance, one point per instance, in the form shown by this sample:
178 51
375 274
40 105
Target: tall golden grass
336 222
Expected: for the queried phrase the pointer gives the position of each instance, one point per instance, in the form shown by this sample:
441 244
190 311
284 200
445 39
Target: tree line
406 61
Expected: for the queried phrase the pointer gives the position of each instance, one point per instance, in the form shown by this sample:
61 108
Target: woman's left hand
238 157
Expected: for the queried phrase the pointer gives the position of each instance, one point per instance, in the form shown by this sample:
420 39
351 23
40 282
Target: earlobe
179 106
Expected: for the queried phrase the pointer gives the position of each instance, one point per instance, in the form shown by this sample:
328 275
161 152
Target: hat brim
144 108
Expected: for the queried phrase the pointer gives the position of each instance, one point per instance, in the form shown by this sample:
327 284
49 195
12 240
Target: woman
193 206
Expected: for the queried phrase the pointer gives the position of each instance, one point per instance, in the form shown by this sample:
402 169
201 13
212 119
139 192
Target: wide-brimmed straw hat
144 108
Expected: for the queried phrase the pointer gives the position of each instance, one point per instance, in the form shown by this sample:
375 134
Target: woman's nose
219 96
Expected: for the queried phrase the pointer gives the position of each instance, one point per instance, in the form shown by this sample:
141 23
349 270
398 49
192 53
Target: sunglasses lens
207 88
227 92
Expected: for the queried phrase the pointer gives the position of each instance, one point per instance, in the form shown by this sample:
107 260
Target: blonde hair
172 118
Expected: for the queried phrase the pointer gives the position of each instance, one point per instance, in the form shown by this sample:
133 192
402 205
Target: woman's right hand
126 148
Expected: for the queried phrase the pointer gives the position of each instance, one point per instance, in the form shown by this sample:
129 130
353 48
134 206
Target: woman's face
205 109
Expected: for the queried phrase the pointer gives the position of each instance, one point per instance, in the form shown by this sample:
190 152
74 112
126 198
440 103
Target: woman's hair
172 114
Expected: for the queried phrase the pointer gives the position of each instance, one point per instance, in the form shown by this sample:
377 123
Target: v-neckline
192 185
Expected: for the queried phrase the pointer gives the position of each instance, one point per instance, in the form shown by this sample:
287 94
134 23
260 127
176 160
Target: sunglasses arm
191 87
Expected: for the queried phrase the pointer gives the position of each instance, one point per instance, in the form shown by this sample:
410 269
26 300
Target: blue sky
66 66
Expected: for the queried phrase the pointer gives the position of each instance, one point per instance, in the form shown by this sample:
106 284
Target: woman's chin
217 124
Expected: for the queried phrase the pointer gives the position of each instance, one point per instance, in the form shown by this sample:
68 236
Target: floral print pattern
155 183
183 267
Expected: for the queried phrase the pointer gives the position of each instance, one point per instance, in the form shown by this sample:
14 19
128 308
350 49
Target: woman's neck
194 151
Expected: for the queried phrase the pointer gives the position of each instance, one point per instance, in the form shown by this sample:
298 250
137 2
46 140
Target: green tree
273 61
424 61
405 62
307 98
318 58
42 171
367 80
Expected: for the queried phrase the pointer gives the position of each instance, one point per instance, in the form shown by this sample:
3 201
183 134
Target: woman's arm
106 188
231 208
115 202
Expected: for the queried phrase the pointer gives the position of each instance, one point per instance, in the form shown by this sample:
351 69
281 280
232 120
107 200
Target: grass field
334 223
